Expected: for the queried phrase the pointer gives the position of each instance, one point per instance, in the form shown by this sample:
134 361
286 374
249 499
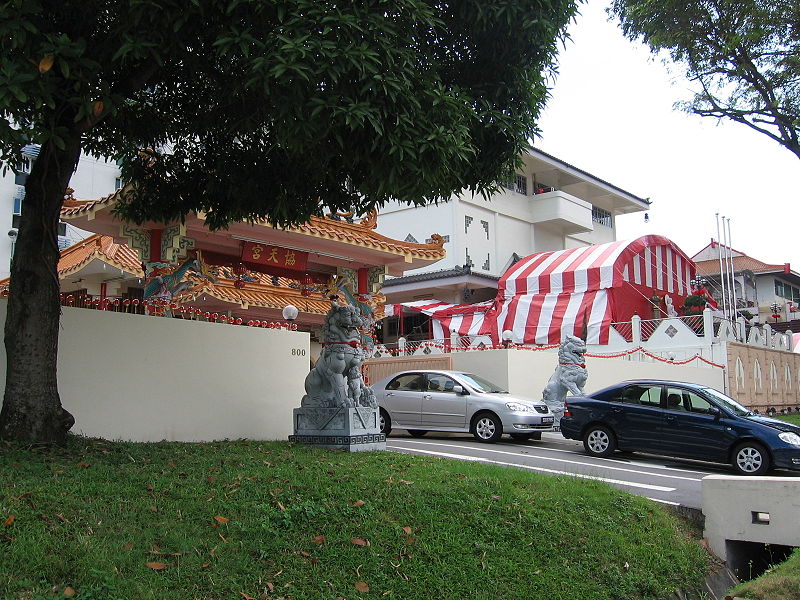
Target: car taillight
566 410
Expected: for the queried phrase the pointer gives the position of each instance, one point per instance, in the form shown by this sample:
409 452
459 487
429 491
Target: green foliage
304 524
694 304
782 582
743 56
278 108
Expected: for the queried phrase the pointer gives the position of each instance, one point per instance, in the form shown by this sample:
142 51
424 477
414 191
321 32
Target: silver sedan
452 401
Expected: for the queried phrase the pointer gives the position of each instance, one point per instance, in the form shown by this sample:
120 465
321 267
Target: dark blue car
682 420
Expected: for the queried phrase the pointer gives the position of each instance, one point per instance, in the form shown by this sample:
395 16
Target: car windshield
482 385
728 403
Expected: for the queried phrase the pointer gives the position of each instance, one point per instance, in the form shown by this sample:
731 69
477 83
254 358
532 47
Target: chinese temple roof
340 231
258 291
100 247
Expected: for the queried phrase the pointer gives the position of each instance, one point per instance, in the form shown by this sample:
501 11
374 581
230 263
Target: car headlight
519 407
790 438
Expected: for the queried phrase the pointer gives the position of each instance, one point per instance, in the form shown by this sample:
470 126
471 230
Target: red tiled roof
359 234
740 263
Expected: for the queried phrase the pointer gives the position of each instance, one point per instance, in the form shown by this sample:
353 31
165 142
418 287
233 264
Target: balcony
570 215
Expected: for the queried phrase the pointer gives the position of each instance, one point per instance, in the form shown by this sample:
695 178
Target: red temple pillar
363 279
155 245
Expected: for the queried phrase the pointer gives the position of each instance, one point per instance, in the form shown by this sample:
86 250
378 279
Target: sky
611 114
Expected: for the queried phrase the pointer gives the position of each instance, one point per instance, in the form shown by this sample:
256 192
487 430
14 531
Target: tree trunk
32 408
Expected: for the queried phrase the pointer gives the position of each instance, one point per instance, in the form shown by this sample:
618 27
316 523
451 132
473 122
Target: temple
247 274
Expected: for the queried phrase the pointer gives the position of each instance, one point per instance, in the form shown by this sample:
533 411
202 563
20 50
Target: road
666 480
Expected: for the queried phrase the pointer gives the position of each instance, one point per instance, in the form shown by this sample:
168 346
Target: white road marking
645 486
572 462
644 462
664 501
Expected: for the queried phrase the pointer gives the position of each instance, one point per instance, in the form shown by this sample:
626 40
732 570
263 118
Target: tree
744 56
251 108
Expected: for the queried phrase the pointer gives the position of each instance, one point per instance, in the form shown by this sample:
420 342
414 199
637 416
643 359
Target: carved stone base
351 429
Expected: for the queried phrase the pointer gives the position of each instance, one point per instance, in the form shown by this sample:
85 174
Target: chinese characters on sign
264 254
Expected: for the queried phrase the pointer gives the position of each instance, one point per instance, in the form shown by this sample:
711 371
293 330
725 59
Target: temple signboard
265 254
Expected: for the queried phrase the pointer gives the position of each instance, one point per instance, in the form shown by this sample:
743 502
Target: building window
411 239
468 262
521 185
18 204
508 184
118 185
486 264
467 221
784 290
485 225
602 217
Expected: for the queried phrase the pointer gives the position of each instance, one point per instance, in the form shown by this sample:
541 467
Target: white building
551 205
94 178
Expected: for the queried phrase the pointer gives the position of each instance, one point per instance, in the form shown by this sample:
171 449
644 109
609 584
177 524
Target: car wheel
599 441
750 458
417 432
526 436
384 422
487 427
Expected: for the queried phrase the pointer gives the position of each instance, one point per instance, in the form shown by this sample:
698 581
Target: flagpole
721 271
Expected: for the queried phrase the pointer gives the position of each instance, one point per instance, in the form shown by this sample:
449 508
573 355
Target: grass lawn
780 583
793 419
270 520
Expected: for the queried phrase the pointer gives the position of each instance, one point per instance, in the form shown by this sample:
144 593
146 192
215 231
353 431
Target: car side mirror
713 410
459 389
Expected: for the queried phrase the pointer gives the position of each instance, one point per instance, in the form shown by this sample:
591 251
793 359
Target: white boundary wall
139 378
526 373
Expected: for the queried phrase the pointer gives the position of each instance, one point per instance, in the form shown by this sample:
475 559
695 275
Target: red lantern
207 315
136 302
126 302
238 284
239 269
239 321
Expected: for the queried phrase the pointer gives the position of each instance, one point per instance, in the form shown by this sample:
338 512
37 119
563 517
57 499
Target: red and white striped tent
463 319
578 291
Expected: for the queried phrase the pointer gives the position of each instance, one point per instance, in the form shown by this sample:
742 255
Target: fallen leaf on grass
68 591
404 482
407 530
362 587
9 521
221 520
211 479
320 539
360 542
305 554
205 565
358 503
84 465
156 566
152 508
46 63
247 596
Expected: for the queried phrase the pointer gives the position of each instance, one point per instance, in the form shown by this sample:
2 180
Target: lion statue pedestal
351 429
339 410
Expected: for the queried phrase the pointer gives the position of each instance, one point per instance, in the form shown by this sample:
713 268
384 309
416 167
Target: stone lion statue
336 380
570 374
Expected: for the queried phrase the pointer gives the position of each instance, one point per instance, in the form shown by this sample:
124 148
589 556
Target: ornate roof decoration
358 234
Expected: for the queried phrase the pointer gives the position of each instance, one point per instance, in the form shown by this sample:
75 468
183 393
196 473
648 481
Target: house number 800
298 352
